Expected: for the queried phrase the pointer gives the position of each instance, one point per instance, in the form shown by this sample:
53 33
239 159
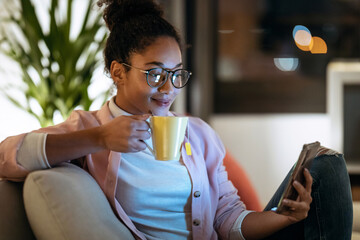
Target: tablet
306 157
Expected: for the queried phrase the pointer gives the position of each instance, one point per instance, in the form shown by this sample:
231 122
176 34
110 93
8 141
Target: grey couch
50 211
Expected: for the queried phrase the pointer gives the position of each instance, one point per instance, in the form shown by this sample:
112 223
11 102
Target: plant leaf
65 88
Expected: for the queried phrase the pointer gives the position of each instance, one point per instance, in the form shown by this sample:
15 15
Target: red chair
239 178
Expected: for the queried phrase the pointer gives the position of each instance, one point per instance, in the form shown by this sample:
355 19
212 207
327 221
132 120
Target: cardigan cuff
235 232
31 155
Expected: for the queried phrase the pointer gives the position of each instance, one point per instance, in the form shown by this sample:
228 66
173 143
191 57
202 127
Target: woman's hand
299 209
125 133
272 222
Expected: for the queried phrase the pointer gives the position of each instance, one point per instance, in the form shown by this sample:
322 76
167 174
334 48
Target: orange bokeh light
319 46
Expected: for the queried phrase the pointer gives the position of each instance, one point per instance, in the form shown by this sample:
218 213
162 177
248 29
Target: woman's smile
161 102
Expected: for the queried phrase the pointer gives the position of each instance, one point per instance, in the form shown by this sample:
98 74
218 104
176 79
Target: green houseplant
57 69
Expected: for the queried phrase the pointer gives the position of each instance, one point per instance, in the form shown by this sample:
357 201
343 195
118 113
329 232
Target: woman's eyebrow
160 64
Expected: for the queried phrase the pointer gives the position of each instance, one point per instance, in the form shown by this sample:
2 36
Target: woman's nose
168 86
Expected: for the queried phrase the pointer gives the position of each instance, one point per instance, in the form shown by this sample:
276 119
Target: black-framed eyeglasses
157 77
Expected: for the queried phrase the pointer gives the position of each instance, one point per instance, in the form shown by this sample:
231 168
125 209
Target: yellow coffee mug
168 133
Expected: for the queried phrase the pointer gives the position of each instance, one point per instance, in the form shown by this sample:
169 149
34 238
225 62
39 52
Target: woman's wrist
271 222
69 146
98 137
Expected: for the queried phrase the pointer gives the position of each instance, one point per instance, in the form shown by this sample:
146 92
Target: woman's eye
156 71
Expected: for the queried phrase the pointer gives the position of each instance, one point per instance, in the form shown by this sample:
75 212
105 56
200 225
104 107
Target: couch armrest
13 220
65 202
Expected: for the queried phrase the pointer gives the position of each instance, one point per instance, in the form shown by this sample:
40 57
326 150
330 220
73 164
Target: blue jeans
331 211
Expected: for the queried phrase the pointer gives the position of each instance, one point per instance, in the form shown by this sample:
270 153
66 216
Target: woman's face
134 95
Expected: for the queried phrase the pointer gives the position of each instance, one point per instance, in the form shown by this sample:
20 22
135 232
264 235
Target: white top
156 195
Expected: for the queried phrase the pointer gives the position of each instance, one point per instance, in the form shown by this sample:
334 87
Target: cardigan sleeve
11 170
229 208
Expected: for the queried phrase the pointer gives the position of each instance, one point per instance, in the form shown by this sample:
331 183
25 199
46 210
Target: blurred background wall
264 93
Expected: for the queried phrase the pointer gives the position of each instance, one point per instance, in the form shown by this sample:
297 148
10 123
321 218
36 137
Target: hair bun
118 11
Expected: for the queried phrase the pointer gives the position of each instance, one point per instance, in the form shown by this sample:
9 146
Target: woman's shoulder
81 119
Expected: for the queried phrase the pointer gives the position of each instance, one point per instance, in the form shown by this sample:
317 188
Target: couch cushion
66 203
13 222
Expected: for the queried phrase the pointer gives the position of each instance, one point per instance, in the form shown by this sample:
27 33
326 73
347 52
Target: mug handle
147 145
151 150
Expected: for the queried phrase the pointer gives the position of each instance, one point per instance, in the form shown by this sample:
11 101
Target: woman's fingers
291 204
137 145
140 132
299 209
308 179
304 194
141 135
299 188
126 133
139 122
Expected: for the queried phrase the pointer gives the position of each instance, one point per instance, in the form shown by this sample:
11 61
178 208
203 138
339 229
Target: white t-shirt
156 195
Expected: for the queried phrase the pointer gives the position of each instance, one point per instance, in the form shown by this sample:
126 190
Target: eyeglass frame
167 75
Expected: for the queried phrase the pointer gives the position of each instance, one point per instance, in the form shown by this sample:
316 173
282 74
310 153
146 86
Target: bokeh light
286 64
319 46
303 40
306 42
302 37
298 28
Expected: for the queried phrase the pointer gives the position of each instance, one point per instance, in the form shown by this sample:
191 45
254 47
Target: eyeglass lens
157 77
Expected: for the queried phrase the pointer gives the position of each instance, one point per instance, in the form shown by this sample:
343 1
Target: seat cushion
13 221
65 202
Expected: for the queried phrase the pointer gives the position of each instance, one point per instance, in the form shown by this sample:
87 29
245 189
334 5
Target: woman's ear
117 71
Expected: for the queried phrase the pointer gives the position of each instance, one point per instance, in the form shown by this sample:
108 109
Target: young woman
186 198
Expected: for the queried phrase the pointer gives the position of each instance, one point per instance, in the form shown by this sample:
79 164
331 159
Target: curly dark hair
133 25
